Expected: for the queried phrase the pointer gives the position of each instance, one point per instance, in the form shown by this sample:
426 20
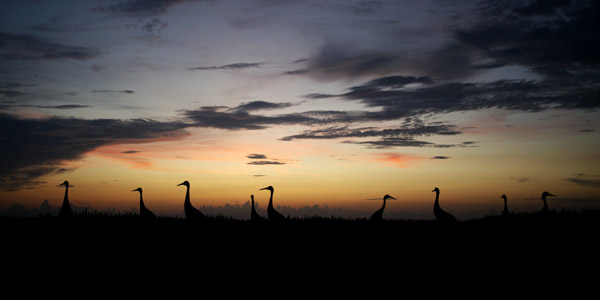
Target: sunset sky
333 103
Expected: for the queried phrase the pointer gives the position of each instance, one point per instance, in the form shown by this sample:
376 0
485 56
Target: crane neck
383 206
437 199
271 201
141 199
545 209
505 206
187 196
66 199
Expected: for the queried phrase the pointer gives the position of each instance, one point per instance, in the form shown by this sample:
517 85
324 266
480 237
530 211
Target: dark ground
518 251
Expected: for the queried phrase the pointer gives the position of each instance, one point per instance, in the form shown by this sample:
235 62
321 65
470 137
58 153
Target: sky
333 103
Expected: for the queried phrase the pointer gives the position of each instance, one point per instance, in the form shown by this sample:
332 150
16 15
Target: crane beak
551 195
180 184
392 198
263 189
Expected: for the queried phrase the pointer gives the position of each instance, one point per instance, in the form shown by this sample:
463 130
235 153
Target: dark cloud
440 157
256 156
521 179
236 66
265 162
319 96
296 72
130 152
239 119
64 106
260 105
584 180
34 147
114 91
392 142
11 93
410 130
341 60
140 8
31 47
337 62
16 85
562 36
153 27
522 95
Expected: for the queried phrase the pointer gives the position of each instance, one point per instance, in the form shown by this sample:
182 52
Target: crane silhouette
65 210
191 213
254 216
505 211
378 215
439 213
544 195
145 213
274 216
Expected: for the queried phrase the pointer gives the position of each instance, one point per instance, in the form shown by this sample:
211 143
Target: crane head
186 183
270 188
545 194
436 190
503 196
138 190
66 183
386 197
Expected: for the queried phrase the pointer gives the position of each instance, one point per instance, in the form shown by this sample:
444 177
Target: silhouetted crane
378 215
191 213
254 216
65 210
505 212
439 213
544 195
145 213
274 215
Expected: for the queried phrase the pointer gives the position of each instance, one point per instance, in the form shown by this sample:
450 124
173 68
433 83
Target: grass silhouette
325 247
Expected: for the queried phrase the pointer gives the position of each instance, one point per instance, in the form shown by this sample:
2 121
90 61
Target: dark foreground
557 230
306 254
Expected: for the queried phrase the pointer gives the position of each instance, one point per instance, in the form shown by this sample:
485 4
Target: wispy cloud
64 106
32 47
260 105
236 66
265 162
130 151
256 156
141 8
584 180
114 91
521 179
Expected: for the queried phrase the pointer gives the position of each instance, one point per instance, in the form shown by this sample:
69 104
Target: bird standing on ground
274 215
439 213
544 195
65 210
191 213
505 211
378 215
254 216
145 213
